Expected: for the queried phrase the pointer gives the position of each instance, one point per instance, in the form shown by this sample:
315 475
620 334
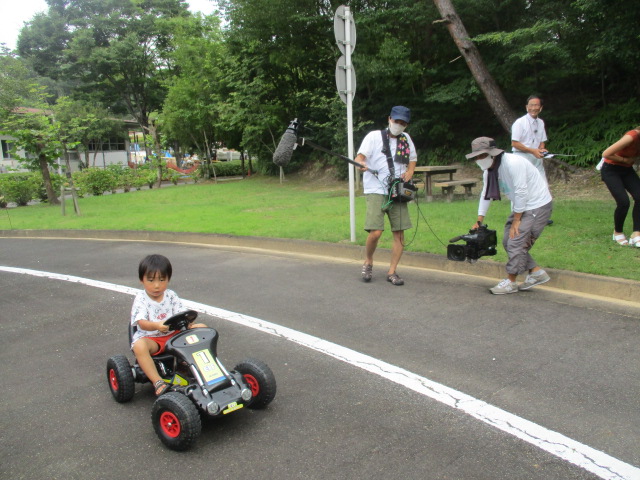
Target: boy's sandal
620 239
161 387
395 279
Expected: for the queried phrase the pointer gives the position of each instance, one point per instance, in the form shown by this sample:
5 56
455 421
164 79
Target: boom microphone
288 142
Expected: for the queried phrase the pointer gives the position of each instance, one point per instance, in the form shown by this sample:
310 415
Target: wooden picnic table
431 170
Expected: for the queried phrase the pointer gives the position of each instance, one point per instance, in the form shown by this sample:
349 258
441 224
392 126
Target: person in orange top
620 177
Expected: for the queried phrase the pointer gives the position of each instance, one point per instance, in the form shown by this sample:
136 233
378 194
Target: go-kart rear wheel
120 378
176 420
260 379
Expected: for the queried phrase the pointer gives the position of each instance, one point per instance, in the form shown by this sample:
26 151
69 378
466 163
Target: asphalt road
566 363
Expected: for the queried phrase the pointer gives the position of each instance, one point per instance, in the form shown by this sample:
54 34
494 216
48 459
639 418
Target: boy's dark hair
155 263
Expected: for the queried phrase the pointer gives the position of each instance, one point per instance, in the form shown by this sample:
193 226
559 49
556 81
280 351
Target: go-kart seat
160 358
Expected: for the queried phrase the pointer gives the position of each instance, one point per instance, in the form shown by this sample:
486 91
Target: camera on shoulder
479 241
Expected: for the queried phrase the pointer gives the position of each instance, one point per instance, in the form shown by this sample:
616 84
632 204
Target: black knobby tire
120 378
260 379
176 420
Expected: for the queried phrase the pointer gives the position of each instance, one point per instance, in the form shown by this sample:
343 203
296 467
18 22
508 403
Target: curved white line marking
590 459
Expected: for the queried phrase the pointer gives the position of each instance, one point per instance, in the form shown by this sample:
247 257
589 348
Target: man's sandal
367 272
395 279
620 239
161 387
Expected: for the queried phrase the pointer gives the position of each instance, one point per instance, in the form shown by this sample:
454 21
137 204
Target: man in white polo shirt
528 135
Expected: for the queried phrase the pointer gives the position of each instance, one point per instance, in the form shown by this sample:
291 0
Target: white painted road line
590 459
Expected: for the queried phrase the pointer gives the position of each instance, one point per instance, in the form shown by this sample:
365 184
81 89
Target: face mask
395 129
485 162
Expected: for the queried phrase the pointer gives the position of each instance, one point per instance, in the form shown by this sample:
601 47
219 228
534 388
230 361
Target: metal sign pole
345 32
352 171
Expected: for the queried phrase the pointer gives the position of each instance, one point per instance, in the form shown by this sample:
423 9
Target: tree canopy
238 77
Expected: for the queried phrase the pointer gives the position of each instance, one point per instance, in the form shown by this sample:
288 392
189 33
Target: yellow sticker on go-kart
208 367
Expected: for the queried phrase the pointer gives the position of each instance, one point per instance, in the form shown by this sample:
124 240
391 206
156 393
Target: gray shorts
531 225
397 212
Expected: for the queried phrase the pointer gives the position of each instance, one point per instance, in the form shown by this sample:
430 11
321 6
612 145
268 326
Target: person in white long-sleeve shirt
531 206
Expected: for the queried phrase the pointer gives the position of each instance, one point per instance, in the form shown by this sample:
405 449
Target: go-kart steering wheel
181 320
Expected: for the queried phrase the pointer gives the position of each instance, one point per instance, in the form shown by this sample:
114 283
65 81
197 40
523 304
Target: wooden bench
449 186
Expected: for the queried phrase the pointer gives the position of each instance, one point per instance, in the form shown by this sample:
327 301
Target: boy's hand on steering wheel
162 327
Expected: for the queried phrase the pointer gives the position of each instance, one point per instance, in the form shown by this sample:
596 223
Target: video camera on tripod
479 242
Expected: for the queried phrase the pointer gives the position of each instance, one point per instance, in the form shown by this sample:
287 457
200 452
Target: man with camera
388 158
531 206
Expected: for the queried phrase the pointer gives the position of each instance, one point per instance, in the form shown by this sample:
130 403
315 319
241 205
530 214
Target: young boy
149 311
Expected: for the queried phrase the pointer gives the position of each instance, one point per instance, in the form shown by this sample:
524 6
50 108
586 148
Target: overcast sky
13 14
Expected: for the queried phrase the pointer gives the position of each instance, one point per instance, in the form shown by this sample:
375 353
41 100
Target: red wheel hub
113 380
253 384
170 424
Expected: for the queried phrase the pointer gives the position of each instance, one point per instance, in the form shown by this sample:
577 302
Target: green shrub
228 169
95 181
19 188
588 138
3 182
171 175
119 173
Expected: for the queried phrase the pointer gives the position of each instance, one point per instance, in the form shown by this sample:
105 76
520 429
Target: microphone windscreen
284 152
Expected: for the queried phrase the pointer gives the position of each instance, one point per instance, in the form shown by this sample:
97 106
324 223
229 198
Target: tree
37 134
32 128
83 124
113 49
16 83
189 115
468 50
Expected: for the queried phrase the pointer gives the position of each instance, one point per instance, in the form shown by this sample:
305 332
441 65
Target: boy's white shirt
144 308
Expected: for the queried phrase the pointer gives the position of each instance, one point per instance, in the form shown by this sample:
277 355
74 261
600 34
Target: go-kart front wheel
120 378
260 379
176 420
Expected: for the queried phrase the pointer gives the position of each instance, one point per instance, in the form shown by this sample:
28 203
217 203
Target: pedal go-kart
200 384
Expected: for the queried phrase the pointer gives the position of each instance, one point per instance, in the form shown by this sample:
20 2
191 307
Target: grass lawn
579 240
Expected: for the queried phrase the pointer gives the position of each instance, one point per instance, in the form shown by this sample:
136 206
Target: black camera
479 242
403 191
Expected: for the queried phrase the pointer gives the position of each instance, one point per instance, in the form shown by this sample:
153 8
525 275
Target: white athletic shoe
505 286
534 279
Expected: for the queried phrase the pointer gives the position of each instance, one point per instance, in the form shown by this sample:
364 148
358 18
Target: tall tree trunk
153 131
44 168
506 116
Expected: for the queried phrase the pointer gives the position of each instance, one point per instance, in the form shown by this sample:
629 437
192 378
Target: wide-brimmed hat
401 113
484 145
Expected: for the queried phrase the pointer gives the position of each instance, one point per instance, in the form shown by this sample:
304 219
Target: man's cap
401 113
484 145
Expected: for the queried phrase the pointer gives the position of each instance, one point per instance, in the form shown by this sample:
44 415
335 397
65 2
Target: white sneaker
534 279
505 286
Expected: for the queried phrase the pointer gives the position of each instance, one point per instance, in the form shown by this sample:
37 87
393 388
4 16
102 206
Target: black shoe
549 222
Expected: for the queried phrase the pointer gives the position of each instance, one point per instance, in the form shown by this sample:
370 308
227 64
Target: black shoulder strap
387 151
